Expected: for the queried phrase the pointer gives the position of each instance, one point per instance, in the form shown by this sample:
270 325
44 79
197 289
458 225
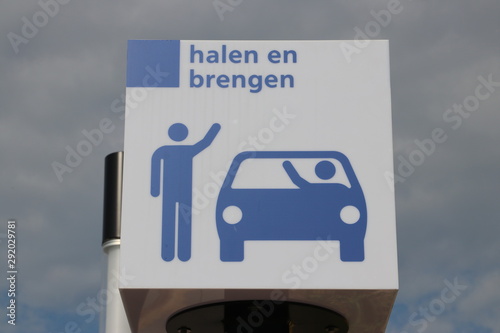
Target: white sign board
258 165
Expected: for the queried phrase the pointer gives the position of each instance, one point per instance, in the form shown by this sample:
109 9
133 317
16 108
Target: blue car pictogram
291 195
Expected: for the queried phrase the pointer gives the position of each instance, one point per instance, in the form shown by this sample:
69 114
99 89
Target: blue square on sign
153 63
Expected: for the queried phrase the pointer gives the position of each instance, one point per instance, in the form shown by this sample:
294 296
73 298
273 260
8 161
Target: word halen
255 82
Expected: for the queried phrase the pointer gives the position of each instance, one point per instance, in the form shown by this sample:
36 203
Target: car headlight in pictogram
232 214
350 214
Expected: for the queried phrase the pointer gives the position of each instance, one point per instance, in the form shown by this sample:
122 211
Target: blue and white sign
258 164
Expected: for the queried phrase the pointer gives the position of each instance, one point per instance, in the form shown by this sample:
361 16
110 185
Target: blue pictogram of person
172 177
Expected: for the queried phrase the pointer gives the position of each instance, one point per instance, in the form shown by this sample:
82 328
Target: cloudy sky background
64 78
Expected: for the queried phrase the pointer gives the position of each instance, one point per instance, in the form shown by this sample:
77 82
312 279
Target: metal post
115 318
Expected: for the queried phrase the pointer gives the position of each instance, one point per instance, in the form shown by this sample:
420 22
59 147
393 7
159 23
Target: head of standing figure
178 132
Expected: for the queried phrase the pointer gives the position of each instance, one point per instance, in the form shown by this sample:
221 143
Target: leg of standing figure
184 236
168 229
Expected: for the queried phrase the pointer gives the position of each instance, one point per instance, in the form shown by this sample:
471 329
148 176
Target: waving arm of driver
294 175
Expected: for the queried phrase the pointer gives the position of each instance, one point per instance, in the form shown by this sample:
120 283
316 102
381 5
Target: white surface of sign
258 164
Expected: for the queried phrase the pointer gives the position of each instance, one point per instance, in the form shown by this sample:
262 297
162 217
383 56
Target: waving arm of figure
294 175
207 140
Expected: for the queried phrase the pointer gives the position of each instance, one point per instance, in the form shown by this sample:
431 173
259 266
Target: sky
62 68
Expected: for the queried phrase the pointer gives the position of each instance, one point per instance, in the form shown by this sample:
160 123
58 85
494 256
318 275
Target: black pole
113 175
